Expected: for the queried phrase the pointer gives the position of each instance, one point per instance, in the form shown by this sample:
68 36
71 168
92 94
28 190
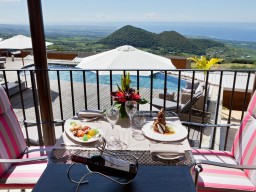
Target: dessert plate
179 134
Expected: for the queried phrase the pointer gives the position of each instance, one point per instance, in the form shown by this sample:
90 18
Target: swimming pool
144 81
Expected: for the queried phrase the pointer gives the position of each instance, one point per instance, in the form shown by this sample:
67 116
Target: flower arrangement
126 93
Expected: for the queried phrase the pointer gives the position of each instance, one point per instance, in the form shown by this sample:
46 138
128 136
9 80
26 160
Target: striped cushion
25 174
215 177
4 101
244 146
12 143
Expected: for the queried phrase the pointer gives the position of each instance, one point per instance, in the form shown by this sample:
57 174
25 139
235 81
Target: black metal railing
73 90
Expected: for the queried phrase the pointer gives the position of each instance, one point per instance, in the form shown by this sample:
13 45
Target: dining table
154 173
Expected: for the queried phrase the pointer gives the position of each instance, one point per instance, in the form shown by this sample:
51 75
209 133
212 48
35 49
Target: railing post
254 84
40 59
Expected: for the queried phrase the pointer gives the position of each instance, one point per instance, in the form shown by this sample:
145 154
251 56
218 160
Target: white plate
168 157
70 134
179 135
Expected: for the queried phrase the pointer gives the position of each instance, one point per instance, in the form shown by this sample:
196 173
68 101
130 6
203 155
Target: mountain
129 35
170 41
175 42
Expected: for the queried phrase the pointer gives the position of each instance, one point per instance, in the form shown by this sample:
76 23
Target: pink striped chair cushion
4 101
244 146
12 143
25 174
215 178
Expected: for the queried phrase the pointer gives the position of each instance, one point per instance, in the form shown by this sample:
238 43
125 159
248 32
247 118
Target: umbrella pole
23 66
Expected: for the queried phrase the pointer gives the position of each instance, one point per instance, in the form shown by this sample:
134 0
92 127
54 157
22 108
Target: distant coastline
223 31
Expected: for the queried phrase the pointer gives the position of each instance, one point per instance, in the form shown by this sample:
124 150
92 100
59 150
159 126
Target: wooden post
40 60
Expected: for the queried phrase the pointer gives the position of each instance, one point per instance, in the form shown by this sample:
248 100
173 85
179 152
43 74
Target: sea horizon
234 31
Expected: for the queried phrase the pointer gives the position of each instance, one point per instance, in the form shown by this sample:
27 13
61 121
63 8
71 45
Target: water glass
139 119
130 108
112 136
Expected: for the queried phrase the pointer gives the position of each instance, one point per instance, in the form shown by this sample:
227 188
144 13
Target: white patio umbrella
126 58
19 42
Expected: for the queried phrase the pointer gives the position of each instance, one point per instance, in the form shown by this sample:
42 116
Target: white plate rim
69 133
166 157
182 132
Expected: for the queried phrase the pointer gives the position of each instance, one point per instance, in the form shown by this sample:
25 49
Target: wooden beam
42 78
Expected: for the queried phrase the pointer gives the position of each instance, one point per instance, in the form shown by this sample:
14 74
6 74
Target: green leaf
117 104
142 101
203 63
119 89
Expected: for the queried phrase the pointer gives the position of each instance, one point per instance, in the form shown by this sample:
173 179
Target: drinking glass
131 109
112 136
140 119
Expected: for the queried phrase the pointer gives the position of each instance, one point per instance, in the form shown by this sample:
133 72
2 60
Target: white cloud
102 16
150 15
9 1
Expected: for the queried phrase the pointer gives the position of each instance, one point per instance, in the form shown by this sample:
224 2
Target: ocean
223 31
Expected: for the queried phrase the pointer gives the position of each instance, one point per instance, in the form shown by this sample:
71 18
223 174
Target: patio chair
20 166
184 111
185 94
234 170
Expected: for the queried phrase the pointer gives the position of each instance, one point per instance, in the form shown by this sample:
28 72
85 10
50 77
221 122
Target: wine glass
112 136
131 108
140 119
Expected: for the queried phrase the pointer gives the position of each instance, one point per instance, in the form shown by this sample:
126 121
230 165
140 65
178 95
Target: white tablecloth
124 129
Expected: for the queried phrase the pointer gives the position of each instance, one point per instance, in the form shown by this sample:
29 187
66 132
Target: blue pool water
144 81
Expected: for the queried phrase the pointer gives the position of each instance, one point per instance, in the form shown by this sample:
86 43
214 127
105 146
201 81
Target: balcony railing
76 90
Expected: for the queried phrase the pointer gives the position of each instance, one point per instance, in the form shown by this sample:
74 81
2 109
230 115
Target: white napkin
89 114
167 150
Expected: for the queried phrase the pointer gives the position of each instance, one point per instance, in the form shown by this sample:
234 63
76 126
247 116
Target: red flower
122 100
135 96
120 94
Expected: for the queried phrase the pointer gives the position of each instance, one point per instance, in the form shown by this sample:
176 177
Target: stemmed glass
113 137
131 109
139 119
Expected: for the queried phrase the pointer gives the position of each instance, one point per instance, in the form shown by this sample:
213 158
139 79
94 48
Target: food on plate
160 125
85 133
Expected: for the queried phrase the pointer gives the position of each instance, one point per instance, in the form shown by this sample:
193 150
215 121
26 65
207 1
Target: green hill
129 35
175 42
170 41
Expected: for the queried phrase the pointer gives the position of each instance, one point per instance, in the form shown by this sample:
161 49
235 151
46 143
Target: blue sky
105 11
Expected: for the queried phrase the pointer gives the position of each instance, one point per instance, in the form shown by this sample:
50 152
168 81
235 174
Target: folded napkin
89 114
170 149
